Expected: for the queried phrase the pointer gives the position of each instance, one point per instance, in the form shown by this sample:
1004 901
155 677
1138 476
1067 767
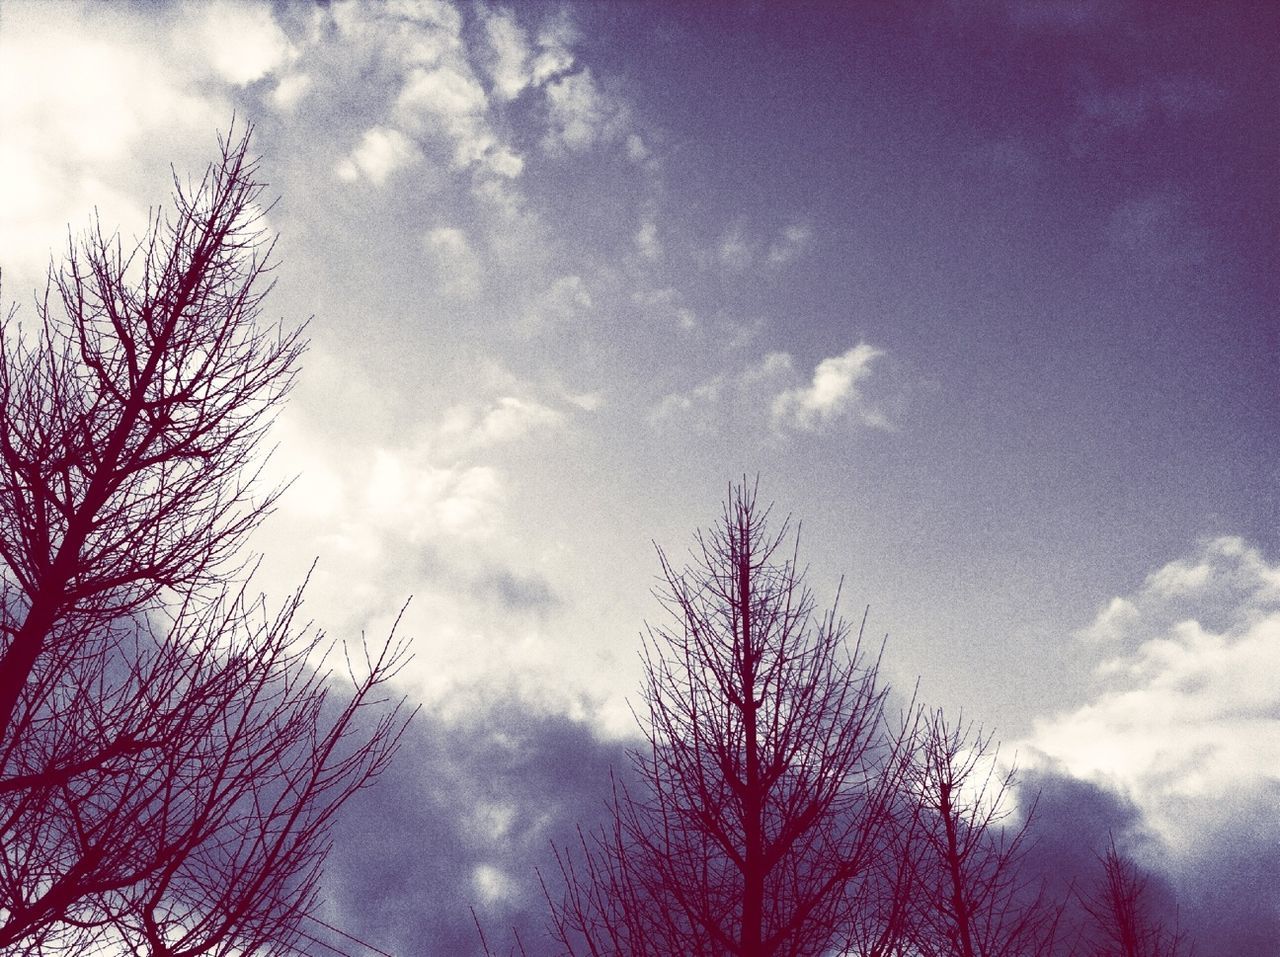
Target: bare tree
1120 915
768 784
170 757
971 897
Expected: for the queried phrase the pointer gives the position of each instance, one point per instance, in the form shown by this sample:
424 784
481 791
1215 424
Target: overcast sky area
984 292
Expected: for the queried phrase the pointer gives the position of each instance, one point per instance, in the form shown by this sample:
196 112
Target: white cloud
666 305
428 517
469 426
507 60
449 99
446 92
586 401
1187 716
380 153
242 40
90 108
290 91
580 114
554 57
417 56
1112 623
695 406
739 249
492 883
833 394
403 490
769 368
637 150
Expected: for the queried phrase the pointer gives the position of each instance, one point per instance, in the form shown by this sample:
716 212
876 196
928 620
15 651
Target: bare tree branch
170 756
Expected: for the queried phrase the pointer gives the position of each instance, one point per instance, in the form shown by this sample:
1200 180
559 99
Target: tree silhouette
1120 922
768 784
970 896
170 757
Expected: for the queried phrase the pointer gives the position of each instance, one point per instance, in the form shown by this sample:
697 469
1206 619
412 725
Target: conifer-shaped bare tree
1120 915
768 784
970 895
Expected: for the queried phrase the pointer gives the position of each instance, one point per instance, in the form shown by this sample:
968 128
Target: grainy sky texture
985 292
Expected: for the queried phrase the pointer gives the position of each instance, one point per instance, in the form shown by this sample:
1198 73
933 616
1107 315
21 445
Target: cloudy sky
985 293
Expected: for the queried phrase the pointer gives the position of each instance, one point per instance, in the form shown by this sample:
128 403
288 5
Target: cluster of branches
171 756
779 811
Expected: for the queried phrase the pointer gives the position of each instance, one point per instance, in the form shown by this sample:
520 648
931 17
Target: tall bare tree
970 896
768 784
170 758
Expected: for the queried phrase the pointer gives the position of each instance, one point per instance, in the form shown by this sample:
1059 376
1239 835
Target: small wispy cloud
647 242
790 245
834 393
474 426
759 392
565 301
741 248
734 252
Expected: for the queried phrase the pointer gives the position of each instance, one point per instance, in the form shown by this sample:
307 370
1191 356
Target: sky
985 294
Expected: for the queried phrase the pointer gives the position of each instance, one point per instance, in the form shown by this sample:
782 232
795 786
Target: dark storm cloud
470 808
1222 894
462 818
1227 888
1073 824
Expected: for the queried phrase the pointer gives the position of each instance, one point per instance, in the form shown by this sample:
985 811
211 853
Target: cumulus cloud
833 394
1220 894
449 99
380 153
1187 713
242 40
431 519
87 105
437 98
290 91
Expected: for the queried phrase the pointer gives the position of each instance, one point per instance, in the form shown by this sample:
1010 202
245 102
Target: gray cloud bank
468 812
462 818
